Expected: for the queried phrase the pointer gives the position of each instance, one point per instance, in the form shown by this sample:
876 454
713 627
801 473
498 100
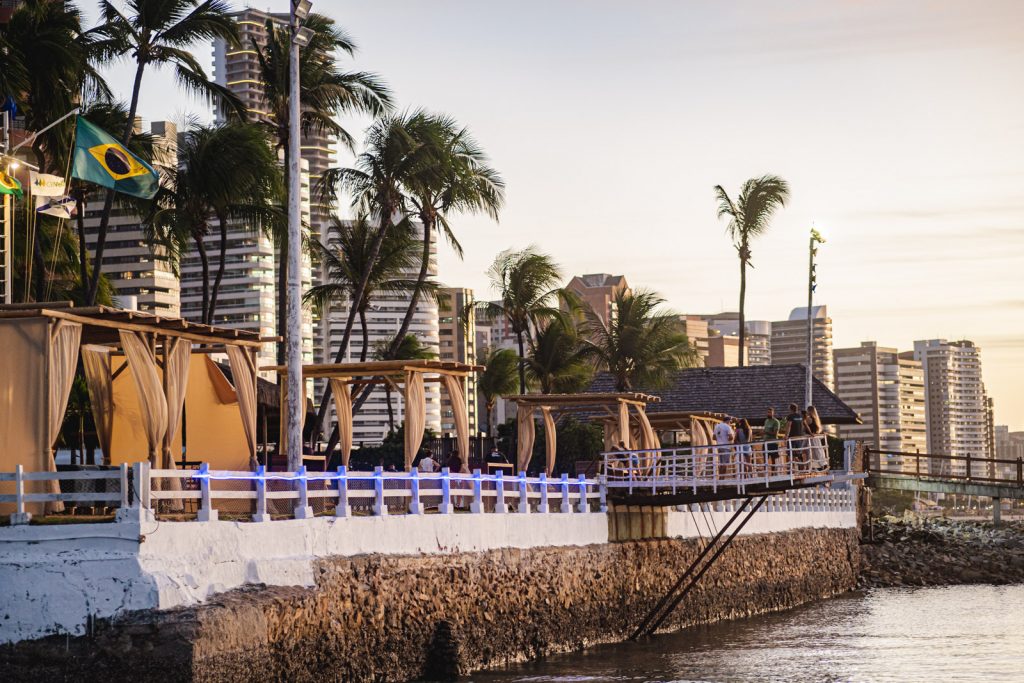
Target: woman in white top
428 464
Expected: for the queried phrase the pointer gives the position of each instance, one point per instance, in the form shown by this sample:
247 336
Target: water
962 633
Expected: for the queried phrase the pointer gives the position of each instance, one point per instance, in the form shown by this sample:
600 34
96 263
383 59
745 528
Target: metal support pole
293 318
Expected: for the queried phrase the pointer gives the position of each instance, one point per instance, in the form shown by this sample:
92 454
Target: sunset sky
899 126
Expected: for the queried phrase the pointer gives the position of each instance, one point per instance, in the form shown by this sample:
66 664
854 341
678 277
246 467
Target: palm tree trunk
522 363
205 261
108 203
391 409
428 229
83 253
366 336
743 297
220 269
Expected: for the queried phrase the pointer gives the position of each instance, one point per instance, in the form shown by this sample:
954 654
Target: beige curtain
524 447
611 436
64 340
343 409
99 378
461 413
648 439
550 439
624 434
177 354
152 401
415 415
244 374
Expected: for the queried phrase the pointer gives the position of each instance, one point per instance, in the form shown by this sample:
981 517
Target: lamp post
812 284
293 338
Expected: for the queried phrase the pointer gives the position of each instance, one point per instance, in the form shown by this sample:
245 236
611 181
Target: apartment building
789 342
887 391
597 291
758 338
457 342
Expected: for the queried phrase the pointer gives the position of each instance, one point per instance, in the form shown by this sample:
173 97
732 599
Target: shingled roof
741 392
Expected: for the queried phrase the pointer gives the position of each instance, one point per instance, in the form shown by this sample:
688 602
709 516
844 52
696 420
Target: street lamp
812 284
293 337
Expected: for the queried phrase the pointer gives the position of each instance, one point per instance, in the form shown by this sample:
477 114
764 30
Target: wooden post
499 487
1020 471
303 510
20 516
524 494
261 496
603 489
124 485
446 492
207 513
969 473
380 508
477 506
342 509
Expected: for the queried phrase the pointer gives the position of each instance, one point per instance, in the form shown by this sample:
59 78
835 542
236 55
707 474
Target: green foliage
575 440
497 379
390 452
558 359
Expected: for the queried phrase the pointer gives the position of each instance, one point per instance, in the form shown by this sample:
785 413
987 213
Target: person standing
795 434
819 458
743 443
772 431
725 436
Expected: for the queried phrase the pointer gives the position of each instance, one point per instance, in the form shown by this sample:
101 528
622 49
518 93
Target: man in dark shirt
794 422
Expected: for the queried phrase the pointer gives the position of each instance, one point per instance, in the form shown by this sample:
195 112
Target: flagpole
39 132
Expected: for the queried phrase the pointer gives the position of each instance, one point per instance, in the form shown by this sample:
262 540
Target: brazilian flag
101 159
10 185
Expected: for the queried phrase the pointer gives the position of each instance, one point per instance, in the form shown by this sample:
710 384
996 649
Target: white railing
714 466
143 490
812 499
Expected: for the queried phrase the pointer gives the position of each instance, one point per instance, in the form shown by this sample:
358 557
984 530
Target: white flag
61 207
46 185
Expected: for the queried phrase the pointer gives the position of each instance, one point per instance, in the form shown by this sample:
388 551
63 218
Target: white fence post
446 492
566 505
602 484
499 487
342 509
543 507
207 513
583 506
477 506
261 495
380 508
303 510
415 508
124 485
20 516
524 494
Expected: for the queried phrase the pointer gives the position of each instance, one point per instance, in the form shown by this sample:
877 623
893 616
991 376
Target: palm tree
346 261
158 33
749 216
224 172
497 379
641 345
558 361
410 349
528 282
325 92
452 176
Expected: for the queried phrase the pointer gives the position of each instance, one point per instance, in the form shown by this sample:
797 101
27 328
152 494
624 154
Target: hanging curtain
648 439
152 402
611 436
64 340
244 374
550 438
99 378
460 412
415 415
343 409
624 435
524 446
177 354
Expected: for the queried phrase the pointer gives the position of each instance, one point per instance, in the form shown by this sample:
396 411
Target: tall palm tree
224 172
642 344
749 216
527 282
158 33
346 261
558 360
325 92
451 177
411 348
498 378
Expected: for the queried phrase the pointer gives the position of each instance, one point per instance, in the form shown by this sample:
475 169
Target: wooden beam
104 322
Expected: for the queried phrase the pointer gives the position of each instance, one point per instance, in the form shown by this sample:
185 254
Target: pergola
42 343
405 376
700 425
616 413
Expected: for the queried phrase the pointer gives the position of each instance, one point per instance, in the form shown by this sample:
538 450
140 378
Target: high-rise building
723 351
139 271
887 391
696 330
383 320
598 291
957 406
1009 447
758 338
789 342
457 342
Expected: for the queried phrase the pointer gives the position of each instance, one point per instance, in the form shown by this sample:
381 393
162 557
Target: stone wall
397 618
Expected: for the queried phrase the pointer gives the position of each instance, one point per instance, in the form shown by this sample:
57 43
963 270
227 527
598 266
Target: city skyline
872 113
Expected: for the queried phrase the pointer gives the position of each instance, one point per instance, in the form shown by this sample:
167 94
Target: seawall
392 598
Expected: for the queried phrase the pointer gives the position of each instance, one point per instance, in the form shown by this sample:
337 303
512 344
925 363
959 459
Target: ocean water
961 633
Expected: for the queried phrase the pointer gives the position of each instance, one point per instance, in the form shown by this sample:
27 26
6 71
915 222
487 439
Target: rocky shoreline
940 552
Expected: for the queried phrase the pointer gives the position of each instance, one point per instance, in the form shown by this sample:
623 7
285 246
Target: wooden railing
945 467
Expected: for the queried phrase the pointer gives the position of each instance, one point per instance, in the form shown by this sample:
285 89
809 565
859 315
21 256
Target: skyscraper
139 272
598 291
887 391
457 342
789 342
758 336
957 407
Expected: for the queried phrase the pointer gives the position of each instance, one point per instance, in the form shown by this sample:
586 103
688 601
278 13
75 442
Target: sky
899 127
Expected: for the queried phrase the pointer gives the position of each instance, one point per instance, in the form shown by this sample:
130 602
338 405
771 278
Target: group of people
426 462
794 430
